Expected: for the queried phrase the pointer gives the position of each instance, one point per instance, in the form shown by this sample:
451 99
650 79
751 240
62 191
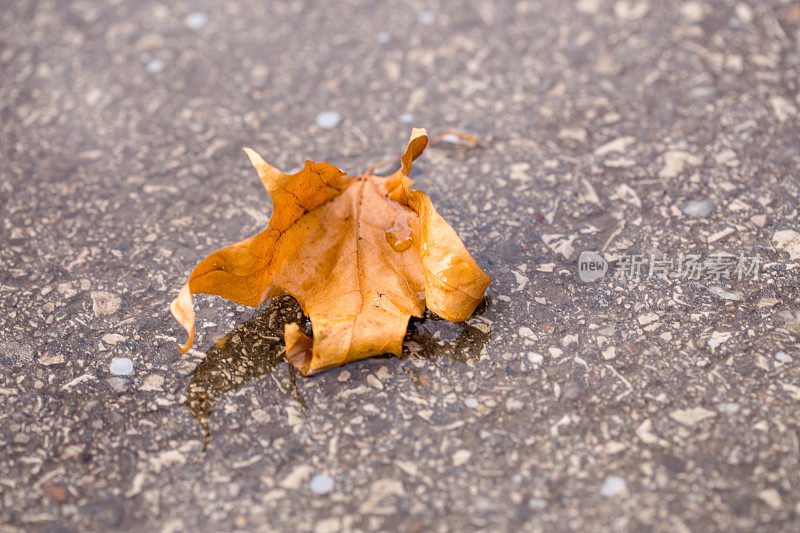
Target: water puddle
256 348
458 341
251 350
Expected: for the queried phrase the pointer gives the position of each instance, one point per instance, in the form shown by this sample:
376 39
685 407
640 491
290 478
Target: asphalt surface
658 397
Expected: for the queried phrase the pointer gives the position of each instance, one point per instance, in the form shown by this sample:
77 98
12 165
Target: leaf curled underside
361 254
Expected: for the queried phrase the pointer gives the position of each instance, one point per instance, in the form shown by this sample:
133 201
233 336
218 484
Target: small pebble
121 366
535 358
608 85
155 65
321 484
612 486
728 408
722 293
196 20
781 356
426 18
472 403
328 119
384 37
696 208
537 504
105 303
406 118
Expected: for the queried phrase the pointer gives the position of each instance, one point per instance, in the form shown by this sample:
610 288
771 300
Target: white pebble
781 356
692 11
697 208
155 65
328 119
612 486
384 37
121 366
426 18
196 20
406 118
321 484
537 504
535 358
472 403
728 408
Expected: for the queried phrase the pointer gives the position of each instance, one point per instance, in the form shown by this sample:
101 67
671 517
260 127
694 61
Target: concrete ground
626 128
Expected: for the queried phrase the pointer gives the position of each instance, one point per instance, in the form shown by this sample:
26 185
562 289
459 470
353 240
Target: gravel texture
618 127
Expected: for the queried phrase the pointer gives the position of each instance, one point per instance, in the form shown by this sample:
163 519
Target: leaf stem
470 141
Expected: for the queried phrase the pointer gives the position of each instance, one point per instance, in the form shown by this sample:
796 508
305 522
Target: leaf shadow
255 348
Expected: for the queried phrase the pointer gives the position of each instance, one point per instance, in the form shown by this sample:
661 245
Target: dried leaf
361 254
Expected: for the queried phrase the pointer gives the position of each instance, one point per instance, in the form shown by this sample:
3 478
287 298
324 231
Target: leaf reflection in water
459 341
256 347
251 350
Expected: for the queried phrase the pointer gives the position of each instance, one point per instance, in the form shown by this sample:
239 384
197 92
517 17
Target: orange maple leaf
361 254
